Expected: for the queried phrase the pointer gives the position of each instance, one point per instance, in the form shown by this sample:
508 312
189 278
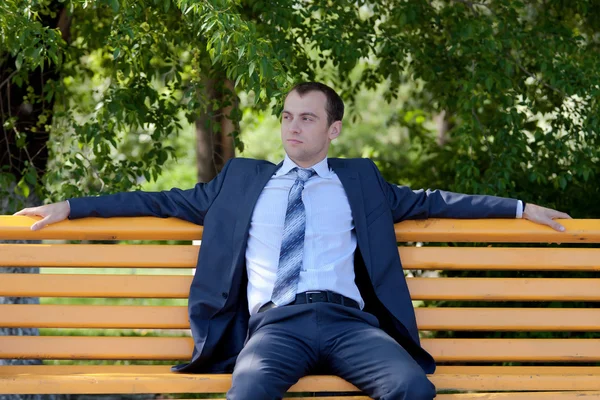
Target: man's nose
294 126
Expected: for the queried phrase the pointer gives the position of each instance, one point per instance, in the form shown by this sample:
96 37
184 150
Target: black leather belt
316 296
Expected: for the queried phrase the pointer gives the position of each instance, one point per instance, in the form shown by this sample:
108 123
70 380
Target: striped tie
292 244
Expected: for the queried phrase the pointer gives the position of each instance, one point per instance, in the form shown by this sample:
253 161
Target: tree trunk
443 125
214 143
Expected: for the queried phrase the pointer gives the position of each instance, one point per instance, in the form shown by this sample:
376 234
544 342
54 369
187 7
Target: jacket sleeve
190 205
406 203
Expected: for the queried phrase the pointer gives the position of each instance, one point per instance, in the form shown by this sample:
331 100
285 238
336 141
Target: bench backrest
127 301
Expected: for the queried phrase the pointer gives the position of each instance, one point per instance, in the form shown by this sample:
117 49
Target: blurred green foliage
518 83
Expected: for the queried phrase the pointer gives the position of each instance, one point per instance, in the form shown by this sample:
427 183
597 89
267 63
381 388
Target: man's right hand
50 213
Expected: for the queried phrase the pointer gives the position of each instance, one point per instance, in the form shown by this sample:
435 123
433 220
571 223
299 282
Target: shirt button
224 295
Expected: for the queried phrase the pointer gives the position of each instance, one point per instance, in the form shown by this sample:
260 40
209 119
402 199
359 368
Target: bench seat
101 379
90 316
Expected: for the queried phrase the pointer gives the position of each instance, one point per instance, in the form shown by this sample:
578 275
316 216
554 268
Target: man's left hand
545 216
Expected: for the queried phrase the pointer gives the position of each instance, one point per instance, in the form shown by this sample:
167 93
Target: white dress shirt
329 243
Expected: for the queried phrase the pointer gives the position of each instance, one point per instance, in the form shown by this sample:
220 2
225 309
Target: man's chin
296 157
294 154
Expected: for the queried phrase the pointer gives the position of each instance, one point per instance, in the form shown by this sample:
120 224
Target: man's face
304 130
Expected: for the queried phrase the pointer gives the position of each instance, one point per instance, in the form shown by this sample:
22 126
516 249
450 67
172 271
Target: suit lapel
252 188
352 185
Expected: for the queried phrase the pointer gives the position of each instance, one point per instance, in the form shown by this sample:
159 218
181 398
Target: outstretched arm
420 204
190 205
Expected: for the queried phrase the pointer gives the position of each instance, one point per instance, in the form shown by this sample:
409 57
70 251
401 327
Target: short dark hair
334 106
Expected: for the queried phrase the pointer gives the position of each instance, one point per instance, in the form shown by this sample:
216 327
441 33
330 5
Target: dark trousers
287 343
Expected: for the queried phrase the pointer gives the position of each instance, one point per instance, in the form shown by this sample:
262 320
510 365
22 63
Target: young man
299 269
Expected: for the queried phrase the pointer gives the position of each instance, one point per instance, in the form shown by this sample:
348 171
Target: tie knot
304 174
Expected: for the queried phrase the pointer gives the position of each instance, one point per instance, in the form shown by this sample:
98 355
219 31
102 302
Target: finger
557 214
26 211
562 215
556 226
546 220
40 224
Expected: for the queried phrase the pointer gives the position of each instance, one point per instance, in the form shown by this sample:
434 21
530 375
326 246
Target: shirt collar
321 168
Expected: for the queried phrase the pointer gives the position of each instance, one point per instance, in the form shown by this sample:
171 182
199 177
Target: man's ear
335 129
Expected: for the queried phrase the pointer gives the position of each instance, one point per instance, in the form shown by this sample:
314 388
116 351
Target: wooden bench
469 368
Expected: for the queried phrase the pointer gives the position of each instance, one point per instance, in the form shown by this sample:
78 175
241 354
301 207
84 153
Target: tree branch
4 82
522 68
5 133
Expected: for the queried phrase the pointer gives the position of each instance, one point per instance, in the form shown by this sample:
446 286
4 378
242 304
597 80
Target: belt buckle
309 298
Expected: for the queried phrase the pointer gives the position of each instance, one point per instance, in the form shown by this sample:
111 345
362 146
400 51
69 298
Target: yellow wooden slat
505 289
104 379
158 379
96 348
509 319
526 350
432 230
505 378
532 382
515 370
161 286
134 379
91 316
500 258
176 317
522 396
127 286
143 228
98 255
162 370
164 348
185 256
497 230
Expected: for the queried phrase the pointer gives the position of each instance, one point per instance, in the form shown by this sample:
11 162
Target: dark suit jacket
218 306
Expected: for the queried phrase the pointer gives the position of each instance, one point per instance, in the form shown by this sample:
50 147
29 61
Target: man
299 269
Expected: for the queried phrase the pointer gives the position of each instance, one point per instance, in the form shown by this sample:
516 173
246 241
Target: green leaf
563 182
489 83
264 67
31 176
22 188
237 80
115 5
19 61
